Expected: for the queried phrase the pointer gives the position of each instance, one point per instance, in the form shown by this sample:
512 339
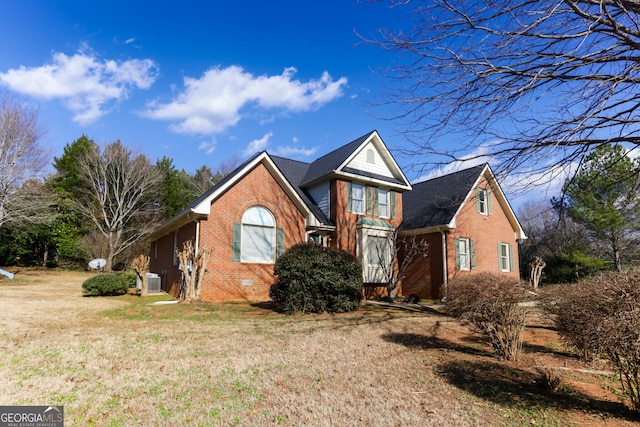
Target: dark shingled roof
435 202
294 171
329 162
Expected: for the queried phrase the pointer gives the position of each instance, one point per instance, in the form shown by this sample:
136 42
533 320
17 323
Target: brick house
351 198
465 216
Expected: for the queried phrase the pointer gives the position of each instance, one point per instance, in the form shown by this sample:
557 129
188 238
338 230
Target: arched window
258 236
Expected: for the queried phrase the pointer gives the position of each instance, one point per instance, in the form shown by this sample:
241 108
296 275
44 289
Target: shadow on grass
536 348
427 342
515 388
364 315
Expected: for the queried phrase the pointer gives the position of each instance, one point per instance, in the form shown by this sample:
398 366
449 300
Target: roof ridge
348 143
273 156
450 174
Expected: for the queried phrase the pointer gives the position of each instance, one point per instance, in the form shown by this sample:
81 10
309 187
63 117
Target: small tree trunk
617 261
141 265
536 266
193 267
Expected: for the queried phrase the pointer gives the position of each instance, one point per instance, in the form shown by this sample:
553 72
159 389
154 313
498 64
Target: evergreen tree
177 188
604 197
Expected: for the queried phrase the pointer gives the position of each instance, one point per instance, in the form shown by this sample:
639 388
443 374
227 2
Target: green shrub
107 284
313 279
492 304
568 268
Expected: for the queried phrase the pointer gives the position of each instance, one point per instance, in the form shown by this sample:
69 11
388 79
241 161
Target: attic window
483 201
371 157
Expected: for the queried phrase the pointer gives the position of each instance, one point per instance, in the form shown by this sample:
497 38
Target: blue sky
203 82
199 81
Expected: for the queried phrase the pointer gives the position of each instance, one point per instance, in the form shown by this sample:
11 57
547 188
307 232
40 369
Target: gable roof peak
336 163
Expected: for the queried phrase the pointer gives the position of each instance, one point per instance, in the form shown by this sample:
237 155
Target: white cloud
257 145
85 83
212 103
207 146
294 152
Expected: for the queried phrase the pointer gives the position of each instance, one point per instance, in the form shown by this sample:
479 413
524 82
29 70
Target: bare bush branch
600 316
141 266
492 304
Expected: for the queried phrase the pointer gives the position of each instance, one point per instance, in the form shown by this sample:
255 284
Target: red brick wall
487 231
345 221
424 277
162 257
225 279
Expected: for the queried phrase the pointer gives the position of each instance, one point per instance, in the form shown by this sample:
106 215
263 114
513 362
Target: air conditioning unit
153 281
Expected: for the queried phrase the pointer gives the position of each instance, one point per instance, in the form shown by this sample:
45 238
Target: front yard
120 362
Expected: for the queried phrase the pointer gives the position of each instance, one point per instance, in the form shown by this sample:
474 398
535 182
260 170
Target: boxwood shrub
107 284
313 279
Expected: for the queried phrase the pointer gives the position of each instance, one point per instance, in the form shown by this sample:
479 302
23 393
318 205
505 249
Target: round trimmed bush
313 279
106 284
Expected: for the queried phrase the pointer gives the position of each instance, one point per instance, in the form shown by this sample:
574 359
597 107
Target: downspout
444 264
197 243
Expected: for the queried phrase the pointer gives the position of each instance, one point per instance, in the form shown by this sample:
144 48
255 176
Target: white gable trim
395 170
500 198
203 208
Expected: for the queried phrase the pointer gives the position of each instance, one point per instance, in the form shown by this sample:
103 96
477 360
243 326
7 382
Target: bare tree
22 159
193 265
535 85
535 271
393 254
141 266
119 195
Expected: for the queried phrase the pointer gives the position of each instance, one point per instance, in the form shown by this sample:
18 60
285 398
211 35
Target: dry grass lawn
120 362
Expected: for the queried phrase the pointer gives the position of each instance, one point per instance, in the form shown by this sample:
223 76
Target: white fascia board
204 207
375 139
504 204
379 182
426 230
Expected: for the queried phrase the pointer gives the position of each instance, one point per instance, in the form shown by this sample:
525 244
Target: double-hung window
383 203
483 201
505 257
465 254
357 199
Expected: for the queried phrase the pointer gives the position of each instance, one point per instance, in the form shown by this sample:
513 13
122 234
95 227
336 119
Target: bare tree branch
531 84
119 196
22 159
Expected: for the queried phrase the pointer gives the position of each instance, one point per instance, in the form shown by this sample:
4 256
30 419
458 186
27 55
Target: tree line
99 203
593 225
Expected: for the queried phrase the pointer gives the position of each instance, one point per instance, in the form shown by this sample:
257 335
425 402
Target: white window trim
504 259
483 207
353 199
387 205
244 240
466 266
372 270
